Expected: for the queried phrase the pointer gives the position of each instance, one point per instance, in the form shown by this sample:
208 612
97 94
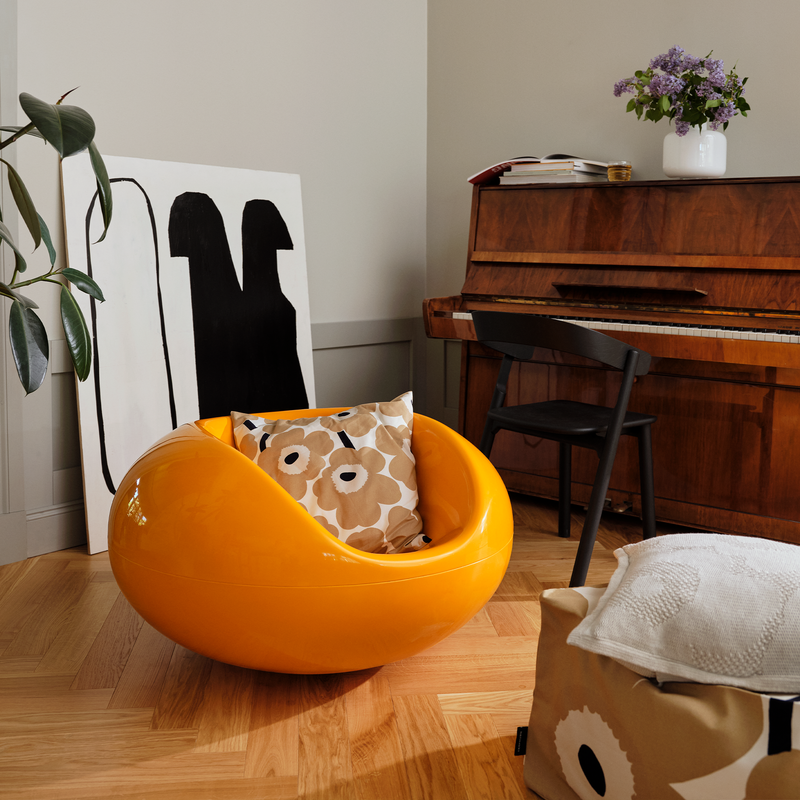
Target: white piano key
640 326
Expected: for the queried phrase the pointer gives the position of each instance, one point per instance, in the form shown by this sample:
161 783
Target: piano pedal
622 507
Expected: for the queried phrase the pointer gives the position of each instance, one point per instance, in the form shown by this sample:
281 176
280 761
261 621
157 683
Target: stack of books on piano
555 168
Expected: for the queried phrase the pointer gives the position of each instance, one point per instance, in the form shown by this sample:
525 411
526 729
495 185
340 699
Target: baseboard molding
55 528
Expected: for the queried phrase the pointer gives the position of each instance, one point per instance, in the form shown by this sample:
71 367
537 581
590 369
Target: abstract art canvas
204 275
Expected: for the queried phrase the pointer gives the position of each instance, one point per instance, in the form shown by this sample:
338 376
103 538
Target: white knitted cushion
702 607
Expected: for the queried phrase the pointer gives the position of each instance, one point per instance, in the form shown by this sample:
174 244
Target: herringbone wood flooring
94 703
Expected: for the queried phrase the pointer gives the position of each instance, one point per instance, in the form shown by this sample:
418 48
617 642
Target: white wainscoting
354 362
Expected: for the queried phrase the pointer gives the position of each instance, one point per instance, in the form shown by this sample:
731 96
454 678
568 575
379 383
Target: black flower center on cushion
349 478
294 459
592 769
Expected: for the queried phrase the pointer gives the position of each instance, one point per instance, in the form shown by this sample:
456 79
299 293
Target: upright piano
705 276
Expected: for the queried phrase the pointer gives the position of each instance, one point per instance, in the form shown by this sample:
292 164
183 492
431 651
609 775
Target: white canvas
145 357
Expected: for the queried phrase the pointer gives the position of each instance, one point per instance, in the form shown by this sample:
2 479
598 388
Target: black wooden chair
568 422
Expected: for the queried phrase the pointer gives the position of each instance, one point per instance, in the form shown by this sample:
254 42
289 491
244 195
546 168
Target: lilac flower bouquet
689 90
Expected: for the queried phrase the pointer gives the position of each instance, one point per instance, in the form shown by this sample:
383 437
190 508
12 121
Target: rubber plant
69 130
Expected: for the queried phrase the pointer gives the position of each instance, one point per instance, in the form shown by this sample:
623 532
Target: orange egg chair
214 554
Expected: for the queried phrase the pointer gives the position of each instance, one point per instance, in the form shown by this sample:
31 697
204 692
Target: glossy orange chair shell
218 557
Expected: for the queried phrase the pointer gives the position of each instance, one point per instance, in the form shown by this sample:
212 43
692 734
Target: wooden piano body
705 276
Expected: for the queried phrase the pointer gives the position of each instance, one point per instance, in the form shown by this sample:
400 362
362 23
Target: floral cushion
353 471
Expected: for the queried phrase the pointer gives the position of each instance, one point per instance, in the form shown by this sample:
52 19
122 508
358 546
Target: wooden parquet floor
94 703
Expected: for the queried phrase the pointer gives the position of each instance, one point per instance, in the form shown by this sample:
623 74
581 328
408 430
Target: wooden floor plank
375 749
11 574
430 761
483 758
24 596
142 679
232 789
86 722
44 624
181 699
106 659
75 638
18 665
517 618
224 717
325 767
272 743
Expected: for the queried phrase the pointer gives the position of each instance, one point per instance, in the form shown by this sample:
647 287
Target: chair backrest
517 335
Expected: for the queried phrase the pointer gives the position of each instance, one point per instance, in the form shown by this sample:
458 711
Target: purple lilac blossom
666 84
722 114
621 87
682 128
675 61
707 90
716 74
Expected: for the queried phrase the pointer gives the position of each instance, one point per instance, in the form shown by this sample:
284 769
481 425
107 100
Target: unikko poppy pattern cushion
600 730
353 471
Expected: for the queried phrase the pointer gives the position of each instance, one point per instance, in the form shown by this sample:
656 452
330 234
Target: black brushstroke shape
101 428
245 338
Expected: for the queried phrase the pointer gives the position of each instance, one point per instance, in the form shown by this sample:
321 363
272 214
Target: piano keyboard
674 329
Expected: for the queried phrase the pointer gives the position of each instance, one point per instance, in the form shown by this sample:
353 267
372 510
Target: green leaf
68 129
713 103
24 203
103 187
77 333
28 346
18 128
48 241
5 235
83 282
664 103
13 294
631 104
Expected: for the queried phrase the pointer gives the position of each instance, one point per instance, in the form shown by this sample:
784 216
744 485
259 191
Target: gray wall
360 98
333 91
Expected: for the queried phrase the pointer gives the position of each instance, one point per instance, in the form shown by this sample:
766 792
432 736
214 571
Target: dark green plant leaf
77 333
664 103
5 235
68 129
18 128
48 241
80 280
631 104
24 203
28 346
7 291
103 187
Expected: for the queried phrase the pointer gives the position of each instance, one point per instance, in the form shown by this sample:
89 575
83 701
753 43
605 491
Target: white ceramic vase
699 154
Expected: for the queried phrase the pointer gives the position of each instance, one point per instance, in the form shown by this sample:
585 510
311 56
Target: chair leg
487 438
593 514
564 489
646 483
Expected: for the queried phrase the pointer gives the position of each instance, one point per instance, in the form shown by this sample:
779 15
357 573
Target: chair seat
564 417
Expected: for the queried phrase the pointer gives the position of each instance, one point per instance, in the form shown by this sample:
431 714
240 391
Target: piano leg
564 489
646 482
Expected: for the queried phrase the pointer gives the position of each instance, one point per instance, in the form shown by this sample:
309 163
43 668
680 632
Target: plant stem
21 132
48 276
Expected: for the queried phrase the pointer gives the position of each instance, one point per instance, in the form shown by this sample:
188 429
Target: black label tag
522 742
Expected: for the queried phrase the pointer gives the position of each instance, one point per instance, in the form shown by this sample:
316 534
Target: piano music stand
568 422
